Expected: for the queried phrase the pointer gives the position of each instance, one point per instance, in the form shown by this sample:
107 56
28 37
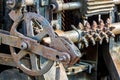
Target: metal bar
99 10
111 56
99 3
73 35
97 13
71 6
65 6
33 47
7 59
100 6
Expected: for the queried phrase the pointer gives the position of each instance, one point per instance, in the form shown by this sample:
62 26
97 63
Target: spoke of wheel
42 61
33 59
29 29
21 54
37 23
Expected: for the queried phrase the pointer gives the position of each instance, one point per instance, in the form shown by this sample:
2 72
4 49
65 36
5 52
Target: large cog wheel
38 64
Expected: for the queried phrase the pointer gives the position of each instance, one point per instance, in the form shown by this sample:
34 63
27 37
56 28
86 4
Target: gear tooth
80 26
101 24
87 24
108 22
94 25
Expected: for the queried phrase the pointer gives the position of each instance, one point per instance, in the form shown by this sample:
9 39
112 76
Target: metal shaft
72 35
65 6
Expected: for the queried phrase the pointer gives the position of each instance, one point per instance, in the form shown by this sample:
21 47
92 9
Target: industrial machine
59 40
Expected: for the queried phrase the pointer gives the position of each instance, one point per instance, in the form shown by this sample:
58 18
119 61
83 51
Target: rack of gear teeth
60 39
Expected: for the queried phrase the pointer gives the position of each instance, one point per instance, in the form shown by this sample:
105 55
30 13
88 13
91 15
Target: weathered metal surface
115 55
88 34
40 50
69 55
96 7
64 44
76 69
7 59
59 6
37 49
116 27
57 72
72 35
112 59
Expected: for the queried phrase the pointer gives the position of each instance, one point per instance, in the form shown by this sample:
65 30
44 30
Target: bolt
63 58
24 45
52 6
